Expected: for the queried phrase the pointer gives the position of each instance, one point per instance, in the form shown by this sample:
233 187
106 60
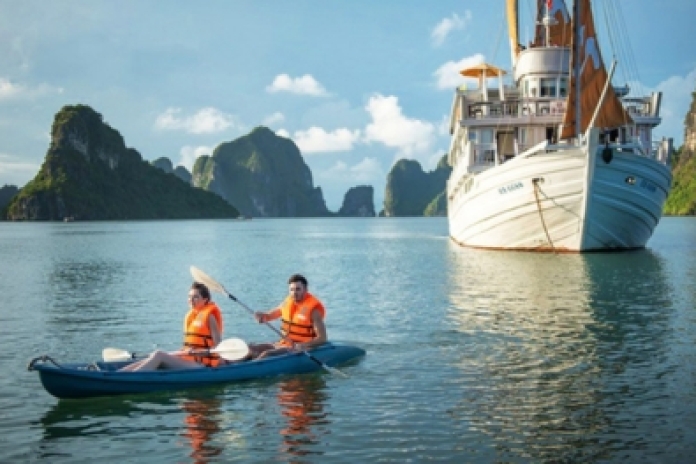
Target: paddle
212 284
231 349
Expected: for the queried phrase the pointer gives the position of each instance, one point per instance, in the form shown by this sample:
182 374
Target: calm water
473 356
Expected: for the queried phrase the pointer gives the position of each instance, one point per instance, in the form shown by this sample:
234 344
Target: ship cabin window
486 136
548 87
472 136
563 87
530 88
522 135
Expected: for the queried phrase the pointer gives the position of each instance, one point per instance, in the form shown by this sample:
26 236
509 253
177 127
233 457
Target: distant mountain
89 174
358 202
6 194
166 165
262 174
412 192
682 198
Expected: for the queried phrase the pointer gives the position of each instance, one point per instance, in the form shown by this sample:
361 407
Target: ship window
532 87
563 87
548 87
472 135
487 136
522 135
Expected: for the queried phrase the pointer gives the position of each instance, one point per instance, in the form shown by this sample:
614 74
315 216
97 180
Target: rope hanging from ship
536 182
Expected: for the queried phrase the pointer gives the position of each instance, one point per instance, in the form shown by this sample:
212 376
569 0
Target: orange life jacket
197 333
297 318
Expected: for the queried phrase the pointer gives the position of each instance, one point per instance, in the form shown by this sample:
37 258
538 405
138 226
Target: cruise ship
561 160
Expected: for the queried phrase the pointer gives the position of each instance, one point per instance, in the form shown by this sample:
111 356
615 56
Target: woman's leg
161 360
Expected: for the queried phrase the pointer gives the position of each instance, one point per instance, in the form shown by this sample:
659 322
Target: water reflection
69 425
202 425
554 350
301 399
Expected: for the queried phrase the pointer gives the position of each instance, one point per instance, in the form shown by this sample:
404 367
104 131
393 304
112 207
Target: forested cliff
89 173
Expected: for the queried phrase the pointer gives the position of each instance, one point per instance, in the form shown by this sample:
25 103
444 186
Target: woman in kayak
302 321
202 331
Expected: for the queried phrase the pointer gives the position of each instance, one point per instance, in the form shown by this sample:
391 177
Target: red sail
560 31
592 79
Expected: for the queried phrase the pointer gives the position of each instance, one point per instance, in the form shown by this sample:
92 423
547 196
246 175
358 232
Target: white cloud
305 85
367 171
275 118
16 172
317 140
447 25
9 90
448 76
190 154
206 121
391 128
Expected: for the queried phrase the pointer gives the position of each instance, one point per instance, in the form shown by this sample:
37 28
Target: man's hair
202 289
298 278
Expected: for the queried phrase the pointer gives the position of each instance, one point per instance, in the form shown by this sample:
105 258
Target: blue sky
356 84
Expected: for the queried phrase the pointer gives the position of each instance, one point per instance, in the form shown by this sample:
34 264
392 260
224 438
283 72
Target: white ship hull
566 200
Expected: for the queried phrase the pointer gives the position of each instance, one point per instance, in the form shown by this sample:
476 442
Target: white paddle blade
232 349
116 354
205 279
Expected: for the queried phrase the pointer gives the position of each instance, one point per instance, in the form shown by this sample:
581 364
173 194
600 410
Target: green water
472 356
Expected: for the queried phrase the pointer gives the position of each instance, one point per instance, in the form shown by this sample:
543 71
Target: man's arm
214 330
271 315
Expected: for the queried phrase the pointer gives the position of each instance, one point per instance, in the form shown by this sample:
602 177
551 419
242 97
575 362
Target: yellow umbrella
482 70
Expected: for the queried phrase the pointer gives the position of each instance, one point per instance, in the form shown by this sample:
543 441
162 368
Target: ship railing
662 150
479 157
514 108
638 110
659 150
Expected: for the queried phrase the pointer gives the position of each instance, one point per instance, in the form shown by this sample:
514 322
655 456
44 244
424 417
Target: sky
356 84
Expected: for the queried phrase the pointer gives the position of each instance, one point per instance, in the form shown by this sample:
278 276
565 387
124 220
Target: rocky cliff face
89 174
358 202
262 174
682 198
689 147
412 192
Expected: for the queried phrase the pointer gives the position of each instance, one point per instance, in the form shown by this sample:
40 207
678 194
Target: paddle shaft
333 370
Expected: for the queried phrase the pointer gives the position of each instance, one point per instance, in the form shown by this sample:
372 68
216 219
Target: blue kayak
86 380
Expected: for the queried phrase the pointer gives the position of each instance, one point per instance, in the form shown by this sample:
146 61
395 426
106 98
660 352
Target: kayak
102 378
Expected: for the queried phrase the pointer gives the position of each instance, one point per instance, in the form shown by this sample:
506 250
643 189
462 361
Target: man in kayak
202 331
302 321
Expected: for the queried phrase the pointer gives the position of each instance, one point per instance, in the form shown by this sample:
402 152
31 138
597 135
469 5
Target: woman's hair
298 278
202 289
